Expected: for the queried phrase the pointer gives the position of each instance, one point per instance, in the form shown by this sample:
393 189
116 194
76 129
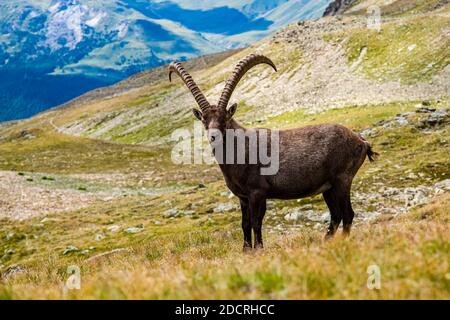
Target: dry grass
199 255
412 253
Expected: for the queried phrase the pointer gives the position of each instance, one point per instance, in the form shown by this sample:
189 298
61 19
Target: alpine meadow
90 188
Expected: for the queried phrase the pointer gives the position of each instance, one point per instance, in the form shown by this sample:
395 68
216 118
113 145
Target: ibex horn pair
239 71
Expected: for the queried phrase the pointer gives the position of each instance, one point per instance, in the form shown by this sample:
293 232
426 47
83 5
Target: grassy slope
400 7
199 255
419 52
147 112
179 258
411 251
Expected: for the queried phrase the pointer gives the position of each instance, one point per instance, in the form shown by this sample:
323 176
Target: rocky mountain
337 7
54 50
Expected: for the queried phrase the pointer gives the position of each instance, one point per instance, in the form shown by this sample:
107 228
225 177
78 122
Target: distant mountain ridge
337 7
54 50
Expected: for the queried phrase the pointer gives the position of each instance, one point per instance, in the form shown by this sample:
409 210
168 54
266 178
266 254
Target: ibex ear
198 114
231 110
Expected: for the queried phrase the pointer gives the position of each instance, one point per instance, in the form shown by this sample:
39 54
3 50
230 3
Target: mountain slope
44 45
326 67
93 184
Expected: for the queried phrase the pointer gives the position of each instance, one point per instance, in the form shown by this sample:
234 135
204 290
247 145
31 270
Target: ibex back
312 159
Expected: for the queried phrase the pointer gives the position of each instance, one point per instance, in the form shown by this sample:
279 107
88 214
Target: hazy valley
54 50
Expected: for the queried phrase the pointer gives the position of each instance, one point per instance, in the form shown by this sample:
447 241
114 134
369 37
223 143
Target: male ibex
313 159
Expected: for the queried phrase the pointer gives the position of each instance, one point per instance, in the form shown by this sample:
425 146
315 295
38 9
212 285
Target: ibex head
218 116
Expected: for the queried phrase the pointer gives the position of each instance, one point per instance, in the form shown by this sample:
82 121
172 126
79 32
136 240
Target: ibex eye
212 138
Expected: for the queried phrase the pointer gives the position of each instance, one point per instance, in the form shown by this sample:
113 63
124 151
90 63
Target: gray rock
70 249
24 134
444 184
317 216
99 237
170 213
114 228
425 110
401 121
13 270
436 118
369 132
133 230
293 216
224 207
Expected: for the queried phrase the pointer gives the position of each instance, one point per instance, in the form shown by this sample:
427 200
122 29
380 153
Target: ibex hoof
259 246
329 236
247 248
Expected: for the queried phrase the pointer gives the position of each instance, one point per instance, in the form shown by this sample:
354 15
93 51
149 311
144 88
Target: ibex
312 159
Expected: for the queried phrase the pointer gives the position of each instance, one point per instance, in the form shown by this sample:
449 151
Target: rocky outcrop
337 7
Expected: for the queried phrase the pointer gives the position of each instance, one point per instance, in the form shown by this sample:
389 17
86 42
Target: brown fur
312 159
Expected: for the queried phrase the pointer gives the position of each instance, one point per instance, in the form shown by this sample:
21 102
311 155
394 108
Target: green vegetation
155 127
52 153
143 227
420 49
356 117
406 7
183 249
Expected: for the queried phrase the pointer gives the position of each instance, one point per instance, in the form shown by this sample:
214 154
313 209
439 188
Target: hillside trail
29 195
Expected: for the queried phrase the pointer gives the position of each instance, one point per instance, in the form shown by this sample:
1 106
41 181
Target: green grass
53 152
420 49
199 255
407 7
356 117
287 56
154 128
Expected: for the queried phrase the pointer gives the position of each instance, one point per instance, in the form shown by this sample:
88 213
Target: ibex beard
260 164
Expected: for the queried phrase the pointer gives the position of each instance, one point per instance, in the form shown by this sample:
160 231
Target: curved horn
241 68
190 83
